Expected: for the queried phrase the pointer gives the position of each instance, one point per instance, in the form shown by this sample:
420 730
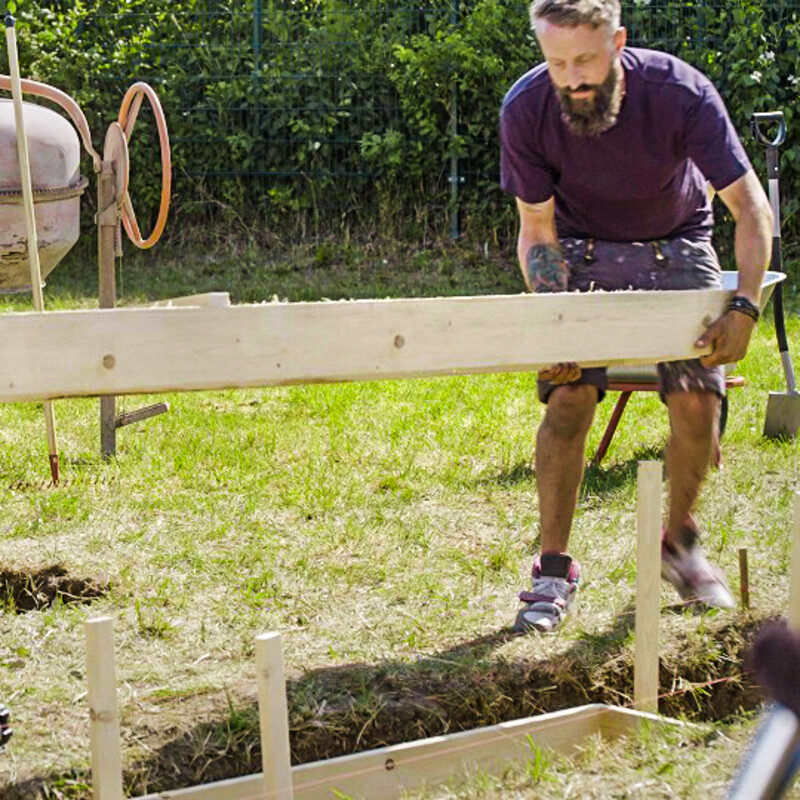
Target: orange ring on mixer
128 112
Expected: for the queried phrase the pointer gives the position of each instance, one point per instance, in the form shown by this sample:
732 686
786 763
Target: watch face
743 305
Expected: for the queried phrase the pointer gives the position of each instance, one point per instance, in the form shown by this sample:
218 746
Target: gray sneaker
688 570
555 583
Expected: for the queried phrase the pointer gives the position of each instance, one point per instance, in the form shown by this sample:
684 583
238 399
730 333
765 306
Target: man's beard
596 115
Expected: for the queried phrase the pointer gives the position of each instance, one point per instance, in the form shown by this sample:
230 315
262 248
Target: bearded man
609 152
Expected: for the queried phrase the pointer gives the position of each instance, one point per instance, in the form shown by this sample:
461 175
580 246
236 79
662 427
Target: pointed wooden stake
648 586
30 222
273 718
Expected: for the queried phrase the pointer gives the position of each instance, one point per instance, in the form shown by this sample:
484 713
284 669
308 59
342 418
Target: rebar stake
744 579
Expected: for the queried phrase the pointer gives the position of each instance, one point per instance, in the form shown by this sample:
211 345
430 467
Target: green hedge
749 50
342 111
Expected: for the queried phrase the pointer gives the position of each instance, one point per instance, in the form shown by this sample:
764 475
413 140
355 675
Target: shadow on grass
520 473
600 480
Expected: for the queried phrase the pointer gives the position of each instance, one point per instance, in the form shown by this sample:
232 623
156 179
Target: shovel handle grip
766 117
780 323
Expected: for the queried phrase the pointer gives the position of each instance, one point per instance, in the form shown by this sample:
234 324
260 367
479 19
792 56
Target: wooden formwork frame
375 774
387 772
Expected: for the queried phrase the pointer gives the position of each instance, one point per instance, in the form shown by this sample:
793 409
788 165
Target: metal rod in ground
744 579
30 222
648 586
130 417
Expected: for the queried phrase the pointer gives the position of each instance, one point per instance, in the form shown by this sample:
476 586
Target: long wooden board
216 299
388 772
152 350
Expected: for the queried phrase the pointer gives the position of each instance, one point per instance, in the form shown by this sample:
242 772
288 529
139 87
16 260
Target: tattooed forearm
546 269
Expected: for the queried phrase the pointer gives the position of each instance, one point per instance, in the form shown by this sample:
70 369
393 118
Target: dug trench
358 707
22 591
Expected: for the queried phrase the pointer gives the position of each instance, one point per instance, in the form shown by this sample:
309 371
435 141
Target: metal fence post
455 178
256 37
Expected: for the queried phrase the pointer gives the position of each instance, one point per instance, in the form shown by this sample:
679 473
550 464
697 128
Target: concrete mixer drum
57 185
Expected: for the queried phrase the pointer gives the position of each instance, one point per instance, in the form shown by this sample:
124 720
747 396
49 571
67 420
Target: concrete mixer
57 186
54 147
40 200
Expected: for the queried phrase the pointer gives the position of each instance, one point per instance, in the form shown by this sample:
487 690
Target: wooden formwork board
152 350
793 614
215 299
389 771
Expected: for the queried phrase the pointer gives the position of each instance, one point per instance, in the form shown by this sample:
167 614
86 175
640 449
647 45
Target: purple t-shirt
644 178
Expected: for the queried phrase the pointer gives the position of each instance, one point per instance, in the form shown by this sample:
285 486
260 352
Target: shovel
783 409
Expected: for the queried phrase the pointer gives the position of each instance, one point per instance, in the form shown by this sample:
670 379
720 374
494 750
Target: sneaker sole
543 624
523 625
720 597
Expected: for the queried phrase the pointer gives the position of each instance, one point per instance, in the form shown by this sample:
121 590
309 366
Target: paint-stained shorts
671 264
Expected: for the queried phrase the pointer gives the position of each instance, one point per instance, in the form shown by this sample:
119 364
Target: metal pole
256 37
455 178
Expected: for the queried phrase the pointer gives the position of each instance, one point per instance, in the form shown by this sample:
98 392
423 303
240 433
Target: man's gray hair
571 13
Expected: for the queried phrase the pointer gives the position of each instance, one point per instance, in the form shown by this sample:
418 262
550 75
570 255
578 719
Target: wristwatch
741 304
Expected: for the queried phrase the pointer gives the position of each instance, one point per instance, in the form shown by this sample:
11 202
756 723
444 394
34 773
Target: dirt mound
23 591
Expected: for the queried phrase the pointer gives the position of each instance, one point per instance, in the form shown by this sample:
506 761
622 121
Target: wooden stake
793 615
105 737
648 586
273 718
744 579
30 223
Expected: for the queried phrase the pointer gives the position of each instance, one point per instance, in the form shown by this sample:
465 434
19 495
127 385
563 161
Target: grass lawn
385 529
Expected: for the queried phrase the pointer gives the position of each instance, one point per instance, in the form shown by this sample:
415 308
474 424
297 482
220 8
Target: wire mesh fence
308 104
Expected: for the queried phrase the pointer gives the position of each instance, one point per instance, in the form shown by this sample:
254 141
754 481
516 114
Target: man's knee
570 409
694 413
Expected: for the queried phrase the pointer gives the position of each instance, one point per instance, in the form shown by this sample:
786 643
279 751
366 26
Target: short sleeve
712 142
524 173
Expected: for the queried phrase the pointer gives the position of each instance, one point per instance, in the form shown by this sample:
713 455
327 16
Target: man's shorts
660 265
